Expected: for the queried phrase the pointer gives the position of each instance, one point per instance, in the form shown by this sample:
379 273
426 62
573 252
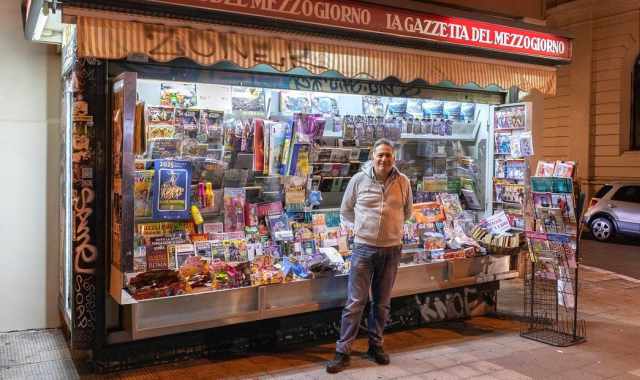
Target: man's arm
408 203
347 212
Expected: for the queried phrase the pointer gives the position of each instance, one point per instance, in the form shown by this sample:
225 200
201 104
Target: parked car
614 209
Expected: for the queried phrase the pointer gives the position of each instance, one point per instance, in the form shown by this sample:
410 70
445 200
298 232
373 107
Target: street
620 256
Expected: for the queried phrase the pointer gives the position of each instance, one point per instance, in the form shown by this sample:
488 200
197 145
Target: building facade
590 119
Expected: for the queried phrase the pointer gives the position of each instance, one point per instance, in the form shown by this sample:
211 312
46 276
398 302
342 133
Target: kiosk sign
378 19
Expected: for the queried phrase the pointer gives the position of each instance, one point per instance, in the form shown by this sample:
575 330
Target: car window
603 191
627 194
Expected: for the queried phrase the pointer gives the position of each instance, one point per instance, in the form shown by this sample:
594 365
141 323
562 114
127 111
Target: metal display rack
551 287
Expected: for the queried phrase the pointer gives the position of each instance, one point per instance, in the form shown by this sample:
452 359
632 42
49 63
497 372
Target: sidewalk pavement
481 348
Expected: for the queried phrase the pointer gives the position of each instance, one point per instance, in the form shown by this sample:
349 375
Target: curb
614 274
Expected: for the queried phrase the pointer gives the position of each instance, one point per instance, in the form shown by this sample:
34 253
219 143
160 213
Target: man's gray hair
382 141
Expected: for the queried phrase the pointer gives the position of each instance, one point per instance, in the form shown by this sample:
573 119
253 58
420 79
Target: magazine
545 169
503 143
563 169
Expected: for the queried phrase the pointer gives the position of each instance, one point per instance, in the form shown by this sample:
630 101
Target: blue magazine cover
171 190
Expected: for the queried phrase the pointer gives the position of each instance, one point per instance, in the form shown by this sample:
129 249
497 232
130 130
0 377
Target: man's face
383 159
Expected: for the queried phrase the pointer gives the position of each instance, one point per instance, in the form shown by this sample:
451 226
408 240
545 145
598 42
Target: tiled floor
481 348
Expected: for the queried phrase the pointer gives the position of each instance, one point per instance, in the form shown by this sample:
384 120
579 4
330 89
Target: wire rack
551 291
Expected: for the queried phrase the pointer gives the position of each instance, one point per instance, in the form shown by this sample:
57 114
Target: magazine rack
551 285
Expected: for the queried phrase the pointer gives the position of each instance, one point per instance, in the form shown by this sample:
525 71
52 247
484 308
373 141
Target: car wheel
602 229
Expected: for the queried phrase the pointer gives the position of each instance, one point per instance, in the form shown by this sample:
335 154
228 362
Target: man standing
377 202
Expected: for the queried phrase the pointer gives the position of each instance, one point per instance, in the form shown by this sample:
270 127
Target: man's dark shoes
340 363
377 355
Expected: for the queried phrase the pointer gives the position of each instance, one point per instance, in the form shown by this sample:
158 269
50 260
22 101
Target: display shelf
412 137
514 204
176 314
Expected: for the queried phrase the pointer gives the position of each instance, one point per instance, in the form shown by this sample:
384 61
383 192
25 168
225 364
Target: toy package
211 126
451 205
171 189
279 227
234 204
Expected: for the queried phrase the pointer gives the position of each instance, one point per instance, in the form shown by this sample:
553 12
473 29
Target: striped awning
208 44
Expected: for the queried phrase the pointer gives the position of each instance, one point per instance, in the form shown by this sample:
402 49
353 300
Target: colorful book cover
279 227
171 190
286 148
142 200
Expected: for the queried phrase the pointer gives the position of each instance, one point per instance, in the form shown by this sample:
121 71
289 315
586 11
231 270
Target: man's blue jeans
372 268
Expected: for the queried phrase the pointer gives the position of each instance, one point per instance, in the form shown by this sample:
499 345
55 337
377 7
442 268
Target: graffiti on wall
450 304
85 250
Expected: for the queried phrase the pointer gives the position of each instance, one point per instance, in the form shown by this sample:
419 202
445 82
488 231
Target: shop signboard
373 18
